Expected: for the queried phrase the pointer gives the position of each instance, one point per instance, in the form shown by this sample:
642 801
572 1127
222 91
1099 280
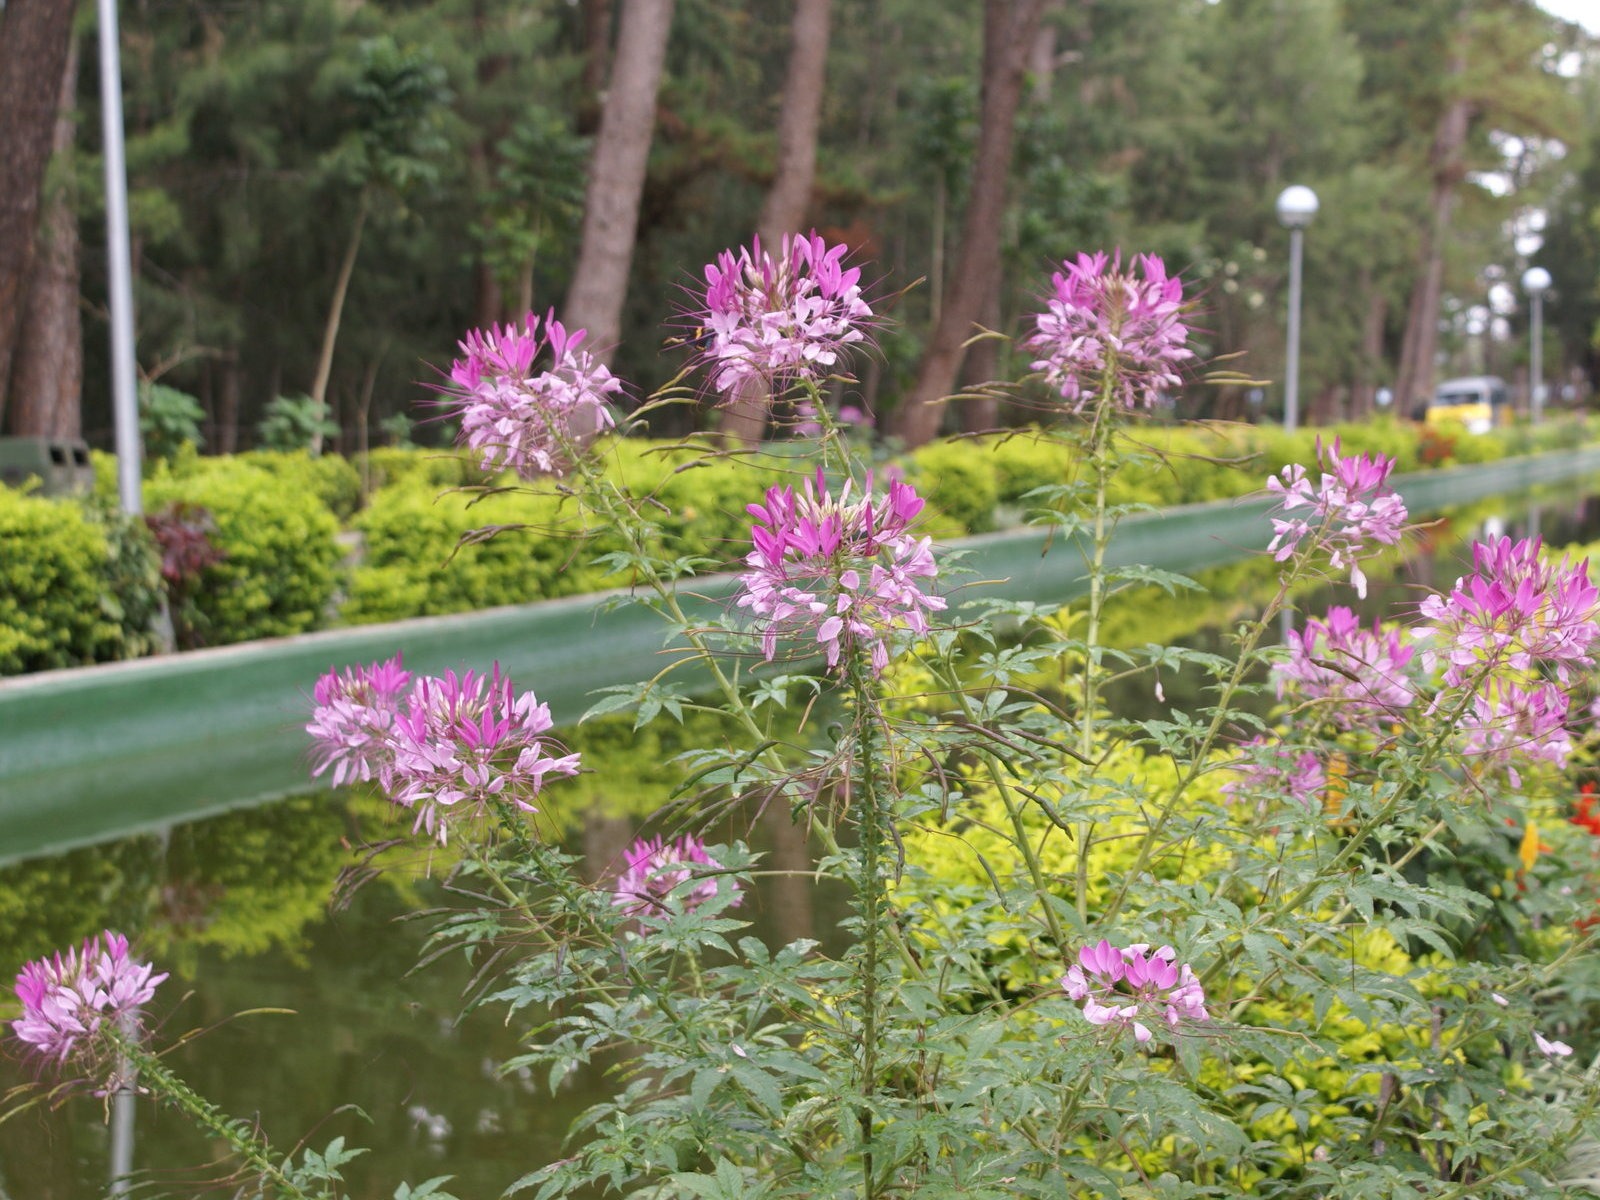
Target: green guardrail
99 751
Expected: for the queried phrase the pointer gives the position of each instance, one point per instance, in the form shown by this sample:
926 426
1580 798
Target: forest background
327 193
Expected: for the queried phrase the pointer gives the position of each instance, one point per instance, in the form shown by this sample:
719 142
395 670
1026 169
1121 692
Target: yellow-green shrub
958 481
280 549
59 602
332 479
415 564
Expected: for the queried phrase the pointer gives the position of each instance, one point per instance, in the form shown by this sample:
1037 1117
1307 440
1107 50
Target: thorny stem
252 1148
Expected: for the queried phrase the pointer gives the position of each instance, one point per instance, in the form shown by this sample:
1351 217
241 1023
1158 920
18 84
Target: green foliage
958 484
278 539
423 555
168 420
416 564
330 478
291 422
74 590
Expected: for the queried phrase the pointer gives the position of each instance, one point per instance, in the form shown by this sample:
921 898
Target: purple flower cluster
1277 770
1103 323
1514 611
513 418
1127 987
1352 510
844 572
1358 674
68 999
450 745
781 321
354 715
659 869
1508 724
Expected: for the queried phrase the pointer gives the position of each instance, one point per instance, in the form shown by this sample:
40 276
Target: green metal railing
130 746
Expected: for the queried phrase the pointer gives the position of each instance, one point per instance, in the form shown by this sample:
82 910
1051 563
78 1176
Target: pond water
237 908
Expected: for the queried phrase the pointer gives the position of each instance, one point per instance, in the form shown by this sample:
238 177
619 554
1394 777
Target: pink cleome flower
660 869
515 419
353 716
1508 725
1357 675
1352 510
1128 987
784 321
1514 611
1103 323
67 999
1274 769
845 572
448 747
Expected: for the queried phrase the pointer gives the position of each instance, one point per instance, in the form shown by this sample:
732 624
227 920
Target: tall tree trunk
330 330
228 405
1009 28
616 176
596 58
1415 382
35 36
784 211
1363 398
47 372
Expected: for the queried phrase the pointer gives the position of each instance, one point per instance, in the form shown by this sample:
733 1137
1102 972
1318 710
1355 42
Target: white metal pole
122 1111
1291 373
1536 361
119 265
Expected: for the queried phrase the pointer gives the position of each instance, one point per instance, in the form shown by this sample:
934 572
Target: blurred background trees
326 195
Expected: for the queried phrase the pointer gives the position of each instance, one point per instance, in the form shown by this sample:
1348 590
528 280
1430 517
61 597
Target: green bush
332 479
408 464
1027 461
67 593
413 566
959 482
279 542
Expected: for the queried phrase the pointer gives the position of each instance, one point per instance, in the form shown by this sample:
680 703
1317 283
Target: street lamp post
1536 282
1296 206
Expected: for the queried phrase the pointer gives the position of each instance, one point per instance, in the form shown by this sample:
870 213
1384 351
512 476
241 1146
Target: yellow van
1478 402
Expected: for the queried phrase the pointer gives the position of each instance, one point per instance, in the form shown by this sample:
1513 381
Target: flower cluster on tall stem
1128 987
844 572
1514 611
1349 515
515 418
354 714
781 321
1357 676
457 743
1508 724
1105 326
72 1003
660 873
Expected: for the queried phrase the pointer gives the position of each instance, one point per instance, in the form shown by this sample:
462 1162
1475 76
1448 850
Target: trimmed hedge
280 549
276 522
74 589
415 564
333 480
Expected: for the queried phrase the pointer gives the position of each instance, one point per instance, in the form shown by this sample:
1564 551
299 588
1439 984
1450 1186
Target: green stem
1100 461
869 820
252 1148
